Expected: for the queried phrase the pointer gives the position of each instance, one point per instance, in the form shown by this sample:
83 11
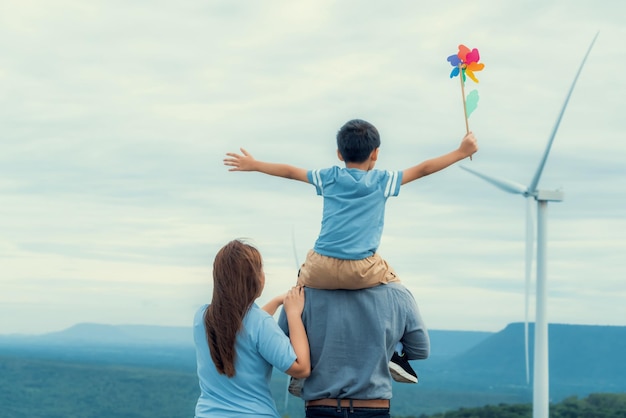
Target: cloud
116 117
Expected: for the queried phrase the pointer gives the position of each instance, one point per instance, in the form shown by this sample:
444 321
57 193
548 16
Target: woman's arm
271 306
293 306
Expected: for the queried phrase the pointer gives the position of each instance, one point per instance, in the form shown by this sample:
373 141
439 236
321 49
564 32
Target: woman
238 343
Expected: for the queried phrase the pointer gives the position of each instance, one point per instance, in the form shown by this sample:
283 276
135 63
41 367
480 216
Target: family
348 326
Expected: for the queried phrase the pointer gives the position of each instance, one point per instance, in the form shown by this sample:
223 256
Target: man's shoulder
397 289
383 290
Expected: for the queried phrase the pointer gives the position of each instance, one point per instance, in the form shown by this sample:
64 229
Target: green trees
597 405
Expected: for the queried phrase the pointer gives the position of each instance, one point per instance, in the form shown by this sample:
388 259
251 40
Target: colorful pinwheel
465 62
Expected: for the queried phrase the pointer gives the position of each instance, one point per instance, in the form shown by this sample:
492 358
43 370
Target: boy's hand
469 144
245 162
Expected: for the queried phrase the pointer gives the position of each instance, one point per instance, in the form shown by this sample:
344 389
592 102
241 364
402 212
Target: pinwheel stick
464 105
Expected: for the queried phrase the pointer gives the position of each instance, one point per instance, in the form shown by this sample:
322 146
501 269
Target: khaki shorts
322 272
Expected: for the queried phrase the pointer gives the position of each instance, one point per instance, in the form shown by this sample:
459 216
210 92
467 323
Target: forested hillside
55 389
597 405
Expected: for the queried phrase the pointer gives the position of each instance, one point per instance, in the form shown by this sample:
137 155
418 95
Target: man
352 335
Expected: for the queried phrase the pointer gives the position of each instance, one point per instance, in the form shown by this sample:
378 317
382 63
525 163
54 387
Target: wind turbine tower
541 399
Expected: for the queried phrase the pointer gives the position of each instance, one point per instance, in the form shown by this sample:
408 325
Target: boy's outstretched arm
246 162
468 147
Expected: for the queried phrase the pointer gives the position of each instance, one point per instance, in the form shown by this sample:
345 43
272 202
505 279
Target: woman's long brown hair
237 272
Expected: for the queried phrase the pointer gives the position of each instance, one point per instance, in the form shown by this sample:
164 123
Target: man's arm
416 344
415 341
246 162
468 147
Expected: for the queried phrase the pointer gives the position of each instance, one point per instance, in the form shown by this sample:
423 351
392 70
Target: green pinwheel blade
471 102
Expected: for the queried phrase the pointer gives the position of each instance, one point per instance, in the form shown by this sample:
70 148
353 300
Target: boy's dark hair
356 140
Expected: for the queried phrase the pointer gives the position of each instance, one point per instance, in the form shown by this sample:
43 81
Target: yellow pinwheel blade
474 66
471 75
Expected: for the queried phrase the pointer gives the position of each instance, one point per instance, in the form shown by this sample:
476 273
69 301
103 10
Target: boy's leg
319 271
399 366
368 272
322 272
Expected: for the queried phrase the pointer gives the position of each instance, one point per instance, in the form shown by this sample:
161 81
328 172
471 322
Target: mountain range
466 368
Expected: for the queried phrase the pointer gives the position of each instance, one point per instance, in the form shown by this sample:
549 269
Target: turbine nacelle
550 195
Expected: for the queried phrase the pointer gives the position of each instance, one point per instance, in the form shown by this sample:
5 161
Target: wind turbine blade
506 185
535 181
530 240
293 245
295 256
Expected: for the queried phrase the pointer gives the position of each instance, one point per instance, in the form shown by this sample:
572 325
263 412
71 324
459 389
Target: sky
116 117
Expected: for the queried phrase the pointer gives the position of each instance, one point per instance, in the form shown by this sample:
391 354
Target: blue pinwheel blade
454 60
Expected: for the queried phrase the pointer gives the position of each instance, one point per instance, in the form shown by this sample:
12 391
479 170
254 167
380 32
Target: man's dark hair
356 140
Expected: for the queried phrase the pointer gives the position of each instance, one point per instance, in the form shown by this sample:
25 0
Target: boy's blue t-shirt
260 345
354 209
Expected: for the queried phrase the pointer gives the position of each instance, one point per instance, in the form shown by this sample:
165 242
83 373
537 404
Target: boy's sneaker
401 370
295 386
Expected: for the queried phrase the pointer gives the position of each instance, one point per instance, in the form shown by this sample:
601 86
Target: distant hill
444 343
138 345
90 333
581 357
170 347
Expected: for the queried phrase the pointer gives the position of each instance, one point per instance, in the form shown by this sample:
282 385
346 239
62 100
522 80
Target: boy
344 255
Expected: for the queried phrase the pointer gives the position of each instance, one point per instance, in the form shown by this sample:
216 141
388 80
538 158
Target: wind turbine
541 400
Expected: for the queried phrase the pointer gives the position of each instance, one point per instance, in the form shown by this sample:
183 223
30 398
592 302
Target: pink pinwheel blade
473 56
